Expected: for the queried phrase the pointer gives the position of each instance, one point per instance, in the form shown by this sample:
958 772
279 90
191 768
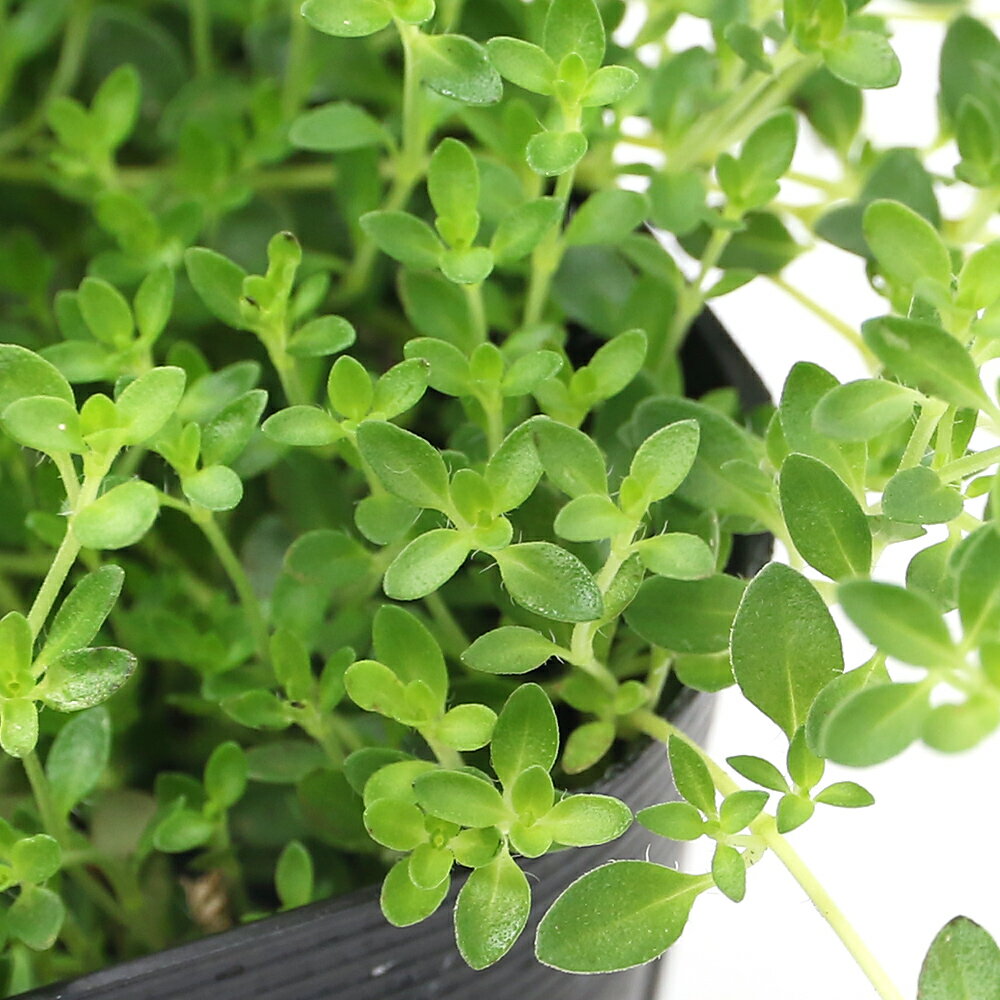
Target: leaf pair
67 674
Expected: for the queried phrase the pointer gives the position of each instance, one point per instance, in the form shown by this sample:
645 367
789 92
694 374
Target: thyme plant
345 561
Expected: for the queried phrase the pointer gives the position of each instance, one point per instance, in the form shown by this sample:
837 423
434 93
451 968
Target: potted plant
319 565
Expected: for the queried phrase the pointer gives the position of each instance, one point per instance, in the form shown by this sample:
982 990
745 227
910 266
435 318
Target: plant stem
446 757
450 632
67 552
764 826
930 413
48 592
58 830
962 468
409 162
200 33
296 84
74 44
834 322
830 912
474 297
237 576
690 302
547 257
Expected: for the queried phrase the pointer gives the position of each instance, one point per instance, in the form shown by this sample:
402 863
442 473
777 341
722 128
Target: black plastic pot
344 949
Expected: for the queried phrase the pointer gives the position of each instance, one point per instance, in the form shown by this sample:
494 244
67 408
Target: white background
927 850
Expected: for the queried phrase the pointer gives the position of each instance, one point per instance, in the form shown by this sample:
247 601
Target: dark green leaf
691 775
785 646
403 237
826 523
583 820
575 26
77 759
550 581
901 623
84 678
917 496
511 649
83 612
45 423
606 217
875 724
553 153
864 59
620 915
963 963
688 616
729 872
219 283
406 646
334 128
673 820
408 466
926 357
428 562
862 410
347 18
458 67
36 917
523 64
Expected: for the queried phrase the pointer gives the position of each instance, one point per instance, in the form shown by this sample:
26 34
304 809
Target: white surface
926 851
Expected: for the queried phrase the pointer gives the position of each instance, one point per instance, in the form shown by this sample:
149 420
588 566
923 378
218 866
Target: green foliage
309 304
622 914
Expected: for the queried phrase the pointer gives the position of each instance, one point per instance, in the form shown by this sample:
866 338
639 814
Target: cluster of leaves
506 455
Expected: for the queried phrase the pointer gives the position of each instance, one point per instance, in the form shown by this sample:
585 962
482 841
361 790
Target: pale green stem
296 84
237 576
582 639
294 177
288 372
833 321
547 257
972 228
930 413
67 473
493 407
409 161
691 301
445 756
474 297
67 552
738 117
764 826
54 579
836 189
454 639
962 468
200 31
58 830
943 441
